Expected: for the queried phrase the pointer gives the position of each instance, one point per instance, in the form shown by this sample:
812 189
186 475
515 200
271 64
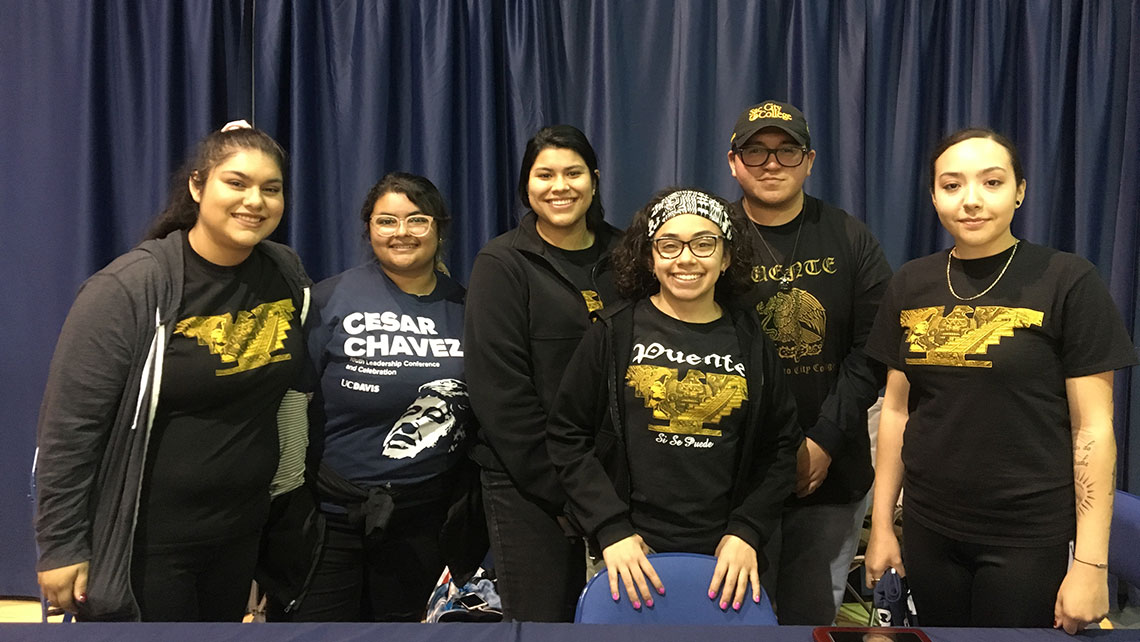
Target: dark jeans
540 570
385 578
809 555
956 583
194 582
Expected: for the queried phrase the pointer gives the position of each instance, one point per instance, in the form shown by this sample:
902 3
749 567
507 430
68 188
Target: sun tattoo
1086 494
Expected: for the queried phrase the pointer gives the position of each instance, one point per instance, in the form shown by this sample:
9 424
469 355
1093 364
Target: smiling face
689 281
240 203
560 189
402 253
975 193
771 186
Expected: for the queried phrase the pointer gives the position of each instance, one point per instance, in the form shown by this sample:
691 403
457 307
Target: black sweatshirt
524 318
586 436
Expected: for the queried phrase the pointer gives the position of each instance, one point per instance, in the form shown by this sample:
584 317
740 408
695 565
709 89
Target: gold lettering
768 110
812 267
829 265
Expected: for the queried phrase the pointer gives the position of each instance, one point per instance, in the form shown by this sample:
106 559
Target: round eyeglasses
758 155
701 247
388 225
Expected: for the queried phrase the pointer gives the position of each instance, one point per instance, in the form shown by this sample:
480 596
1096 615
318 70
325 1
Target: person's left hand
1083 598
736 567
812 462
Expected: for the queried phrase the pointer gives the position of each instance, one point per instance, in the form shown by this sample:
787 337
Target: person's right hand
883 553
64 586
626 558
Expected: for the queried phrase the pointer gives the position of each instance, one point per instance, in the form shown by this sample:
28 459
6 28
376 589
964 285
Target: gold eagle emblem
248 341
946 339
689 403
796 322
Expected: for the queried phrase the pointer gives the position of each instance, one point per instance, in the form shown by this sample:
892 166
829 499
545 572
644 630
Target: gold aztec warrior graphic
947 339
796 322
249 342
689 403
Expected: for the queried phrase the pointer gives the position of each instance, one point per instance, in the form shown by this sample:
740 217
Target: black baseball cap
771 113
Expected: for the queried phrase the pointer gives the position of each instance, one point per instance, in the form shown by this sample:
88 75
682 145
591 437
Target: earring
1017 204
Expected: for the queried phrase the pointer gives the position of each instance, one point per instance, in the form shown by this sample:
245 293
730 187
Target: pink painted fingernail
756 599
736 606
661 591
616 597
82 599
723 605
637 605
712 595
649 603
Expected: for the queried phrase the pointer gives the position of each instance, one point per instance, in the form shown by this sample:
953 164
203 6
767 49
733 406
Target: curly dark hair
633 258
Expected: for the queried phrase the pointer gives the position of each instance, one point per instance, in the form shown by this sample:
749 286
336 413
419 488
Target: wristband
1104 566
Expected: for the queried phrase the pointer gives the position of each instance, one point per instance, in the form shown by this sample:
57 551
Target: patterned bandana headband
689 201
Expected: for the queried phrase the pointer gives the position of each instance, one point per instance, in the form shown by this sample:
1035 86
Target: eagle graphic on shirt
688 403
248 341
796 322
946 339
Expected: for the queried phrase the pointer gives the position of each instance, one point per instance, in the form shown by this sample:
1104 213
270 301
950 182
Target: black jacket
586 434
97 412
524 318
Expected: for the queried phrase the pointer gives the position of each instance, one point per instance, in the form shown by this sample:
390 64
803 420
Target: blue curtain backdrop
101 99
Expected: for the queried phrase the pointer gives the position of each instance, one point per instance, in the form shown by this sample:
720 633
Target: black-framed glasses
701 247
758 155
416 224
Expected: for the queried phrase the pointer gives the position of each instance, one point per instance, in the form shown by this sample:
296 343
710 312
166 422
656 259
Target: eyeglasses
758 155
416 224
700 247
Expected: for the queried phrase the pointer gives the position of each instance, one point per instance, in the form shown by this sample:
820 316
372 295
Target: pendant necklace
978 295
785 269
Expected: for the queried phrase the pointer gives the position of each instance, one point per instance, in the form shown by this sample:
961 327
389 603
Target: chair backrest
1123 560
686 577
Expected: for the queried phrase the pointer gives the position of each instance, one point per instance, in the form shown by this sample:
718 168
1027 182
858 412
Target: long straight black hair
563 137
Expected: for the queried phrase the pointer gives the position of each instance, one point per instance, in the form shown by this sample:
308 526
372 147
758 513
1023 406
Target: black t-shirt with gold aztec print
213 448
818 322
988 450
685 400
578 265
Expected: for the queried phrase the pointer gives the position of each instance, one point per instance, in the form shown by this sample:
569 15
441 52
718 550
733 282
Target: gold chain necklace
978 295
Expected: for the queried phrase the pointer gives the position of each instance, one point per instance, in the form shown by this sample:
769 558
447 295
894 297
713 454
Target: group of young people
699 382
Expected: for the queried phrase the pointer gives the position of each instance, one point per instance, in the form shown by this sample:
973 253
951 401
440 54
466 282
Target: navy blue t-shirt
390 372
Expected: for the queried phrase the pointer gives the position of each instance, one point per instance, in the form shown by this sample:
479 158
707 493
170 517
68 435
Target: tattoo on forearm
1082 452
1086 492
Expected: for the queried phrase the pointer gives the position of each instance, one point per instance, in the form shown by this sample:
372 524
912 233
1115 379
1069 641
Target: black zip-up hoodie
524 318
586 435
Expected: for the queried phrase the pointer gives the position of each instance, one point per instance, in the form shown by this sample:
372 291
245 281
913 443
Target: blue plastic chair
1123 561
686 578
